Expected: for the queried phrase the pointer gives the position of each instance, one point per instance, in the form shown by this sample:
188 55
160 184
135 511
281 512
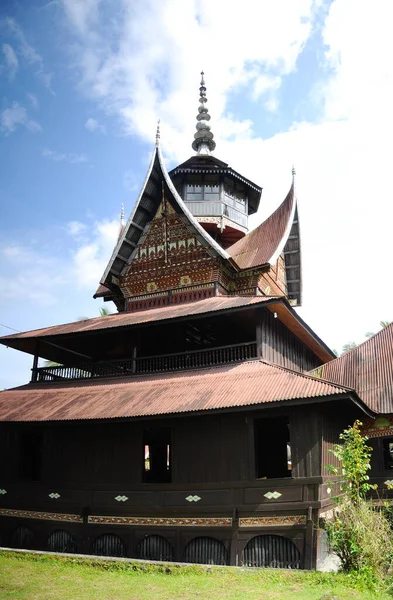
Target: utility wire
11 328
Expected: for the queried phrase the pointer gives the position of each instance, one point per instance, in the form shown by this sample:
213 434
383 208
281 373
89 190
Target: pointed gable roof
144 211
264 244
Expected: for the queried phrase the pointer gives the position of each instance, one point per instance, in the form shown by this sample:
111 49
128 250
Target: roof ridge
307 375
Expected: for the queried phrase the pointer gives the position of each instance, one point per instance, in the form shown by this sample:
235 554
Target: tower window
272 448
157 455
194 192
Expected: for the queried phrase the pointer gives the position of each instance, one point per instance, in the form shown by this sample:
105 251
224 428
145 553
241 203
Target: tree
383 325
353 456
351 345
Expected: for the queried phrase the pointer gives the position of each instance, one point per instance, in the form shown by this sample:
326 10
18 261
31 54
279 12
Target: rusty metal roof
368 369
246 384
173 311
265 242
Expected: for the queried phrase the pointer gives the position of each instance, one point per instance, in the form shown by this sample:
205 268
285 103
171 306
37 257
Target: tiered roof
62 337
245 385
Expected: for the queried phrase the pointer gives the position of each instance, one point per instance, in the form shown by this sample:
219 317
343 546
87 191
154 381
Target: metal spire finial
293 171
203 139
158 132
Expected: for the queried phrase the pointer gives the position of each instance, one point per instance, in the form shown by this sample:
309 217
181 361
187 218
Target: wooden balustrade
151 364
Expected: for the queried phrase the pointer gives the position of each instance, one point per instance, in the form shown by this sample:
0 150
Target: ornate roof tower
203 139
187 237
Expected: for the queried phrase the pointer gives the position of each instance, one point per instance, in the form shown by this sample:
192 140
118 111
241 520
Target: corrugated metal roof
147 316
242 385
265 242
368 369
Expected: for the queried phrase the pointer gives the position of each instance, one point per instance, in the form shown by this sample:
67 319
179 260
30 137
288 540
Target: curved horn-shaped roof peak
265 243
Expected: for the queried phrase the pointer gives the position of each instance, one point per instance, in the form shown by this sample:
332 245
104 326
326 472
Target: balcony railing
150 364
217 209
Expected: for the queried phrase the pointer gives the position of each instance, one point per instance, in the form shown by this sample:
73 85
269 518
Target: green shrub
358 533
361 537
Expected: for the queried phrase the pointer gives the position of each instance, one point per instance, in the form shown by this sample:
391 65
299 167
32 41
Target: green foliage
354 457
359 534
362 539
349 346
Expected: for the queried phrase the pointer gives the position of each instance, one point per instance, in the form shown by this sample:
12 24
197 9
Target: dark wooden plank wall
305 434
334 421
206 449
280 346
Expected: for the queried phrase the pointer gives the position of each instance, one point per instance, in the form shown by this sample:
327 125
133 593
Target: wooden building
193 425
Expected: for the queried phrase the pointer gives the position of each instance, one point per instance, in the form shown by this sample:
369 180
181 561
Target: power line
11 328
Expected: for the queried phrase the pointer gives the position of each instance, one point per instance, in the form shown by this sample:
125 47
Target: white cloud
11 60
33 100
70 157
94 125
81 13
144 62
43 277
75 228
91 257
26 50
16 115
265 83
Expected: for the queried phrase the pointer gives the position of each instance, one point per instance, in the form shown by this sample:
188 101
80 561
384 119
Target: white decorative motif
329 490
54 495
121 498
388 482
270 495
2 492
193 498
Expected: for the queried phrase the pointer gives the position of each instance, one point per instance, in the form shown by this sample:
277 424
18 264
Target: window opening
272 448
157 459
388 454
31 444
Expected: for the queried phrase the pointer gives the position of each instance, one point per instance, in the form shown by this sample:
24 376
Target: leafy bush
358 533
362 539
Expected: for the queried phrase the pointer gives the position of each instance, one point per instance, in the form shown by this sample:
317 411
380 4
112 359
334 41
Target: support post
134 359
233 550
310 545
34 372
258 336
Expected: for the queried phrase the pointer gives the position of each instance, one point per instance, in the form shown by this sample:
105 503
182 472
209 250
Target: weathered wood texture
281 346
205 449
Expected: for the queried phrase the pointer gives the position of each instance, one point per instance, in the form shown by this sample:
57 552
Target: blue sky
82 83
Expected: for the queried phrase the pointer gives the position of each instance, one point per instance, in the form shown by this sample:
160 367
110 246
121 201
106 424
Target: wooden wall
333 423
205 449
280 346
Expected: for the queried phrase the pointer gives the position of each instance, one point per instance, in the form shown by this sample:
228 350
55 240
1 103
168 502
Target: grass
42 577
